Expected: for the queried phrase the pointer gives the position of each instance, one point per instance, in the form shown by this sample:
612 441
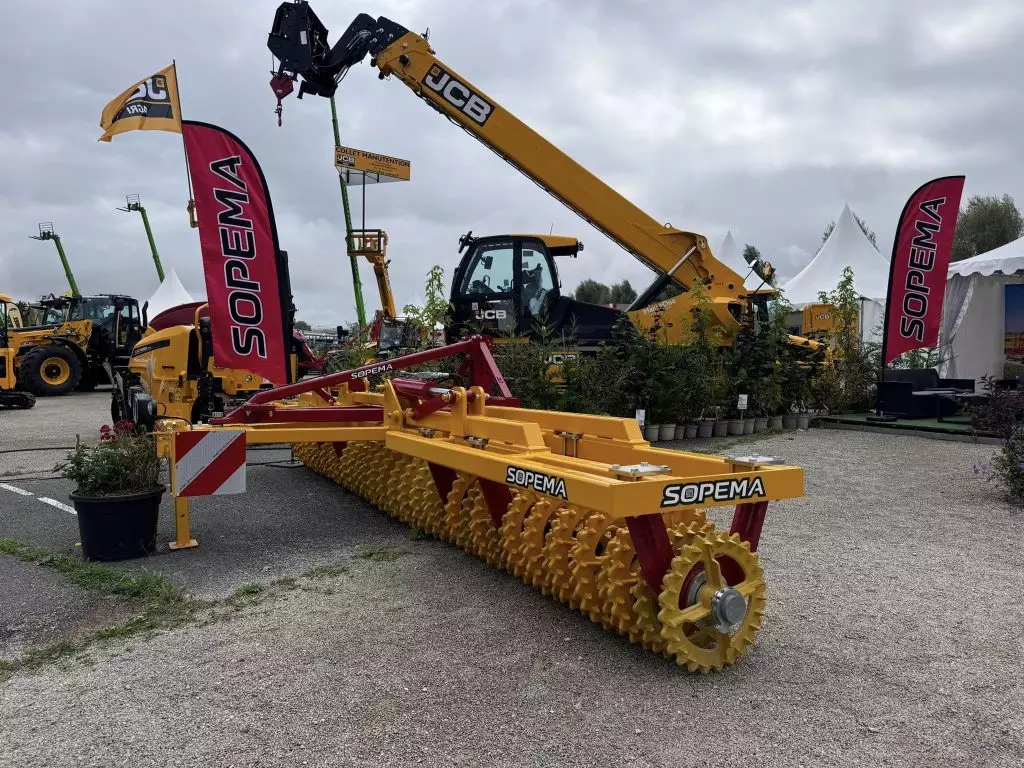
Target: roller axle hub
727 610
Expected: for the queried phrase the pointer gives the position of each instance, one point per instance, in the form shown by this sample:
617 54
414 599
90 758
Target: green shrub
123 463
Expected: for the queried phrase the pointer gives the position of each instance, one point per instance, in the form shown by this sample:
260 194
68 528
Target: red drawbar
653 549
272 414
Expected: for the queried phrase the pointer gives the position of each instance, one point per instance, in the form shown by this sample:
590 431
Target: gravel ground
892 638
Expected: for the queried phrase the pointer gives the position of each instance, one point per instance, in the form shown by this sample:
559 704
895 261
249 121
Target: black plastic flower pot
118 527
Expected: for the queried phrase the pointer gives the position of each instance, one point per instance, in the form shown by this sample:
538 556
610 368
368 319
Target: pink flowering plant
122 463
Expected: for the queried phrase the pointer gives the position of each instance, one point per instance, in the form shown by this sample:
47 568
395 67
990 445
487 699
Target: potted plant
705 426
736 422
117 493
748 424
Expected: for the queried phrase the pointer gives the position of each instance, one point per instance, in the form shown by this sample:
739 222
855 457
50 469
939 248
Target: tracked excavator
509 283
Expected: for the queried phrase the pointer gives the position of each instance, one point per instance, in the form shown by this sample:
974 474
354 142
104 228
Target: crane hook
281 84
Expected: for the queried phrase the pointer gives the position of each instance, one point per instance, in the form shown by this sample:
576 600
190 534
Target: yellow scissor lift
579 506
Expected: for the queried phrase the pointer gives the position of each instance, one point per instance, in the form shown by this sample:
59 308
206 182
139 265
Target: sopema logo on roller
688 494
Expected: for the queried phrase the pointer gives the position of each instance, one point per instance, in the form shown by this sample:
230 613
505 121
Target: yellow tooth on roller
586 556
557 546
485 539
646 606
616 588
708 623
464 537
453 508
512 531
531 548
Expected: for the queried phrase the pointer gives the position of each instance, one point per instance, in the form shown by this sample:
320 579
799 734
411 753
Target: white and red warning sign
209 463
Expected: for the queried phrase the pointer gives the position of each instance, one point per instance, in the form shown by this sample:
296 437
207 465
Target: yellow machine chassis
579 506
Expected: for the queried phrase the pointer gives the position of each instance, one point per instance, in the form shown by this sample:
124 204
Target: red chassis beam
479 365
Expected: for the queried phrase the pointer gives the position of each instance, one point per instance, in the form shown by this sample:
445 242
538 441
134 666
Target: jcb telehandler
509 283
79 335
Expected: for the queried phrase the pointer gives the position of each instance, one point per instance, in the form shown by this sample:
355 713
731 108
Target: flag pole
188 175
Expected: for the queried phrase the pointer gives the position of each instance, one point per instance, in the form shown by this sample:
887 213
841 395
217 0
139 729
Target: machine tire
50 370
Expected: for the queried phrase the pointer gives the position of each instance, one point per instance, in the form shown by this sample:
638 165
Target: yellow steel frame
576 458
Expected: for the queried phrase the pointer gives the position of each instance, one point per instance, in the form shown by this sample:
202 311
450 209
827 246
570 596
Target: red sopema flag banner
917 270
247 284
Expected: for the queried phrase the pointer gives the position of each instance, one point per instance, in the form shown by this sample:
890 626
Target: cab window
537 282
490 270
125 324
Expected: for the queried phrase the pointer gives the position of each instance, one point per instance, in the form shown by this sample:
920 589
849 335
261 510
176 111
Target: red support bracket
653 549
747 521
498 497
339 447
444 479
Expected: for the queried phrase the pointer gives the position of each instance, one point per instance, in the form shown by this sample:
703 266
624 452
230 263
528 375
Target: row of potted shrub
724 427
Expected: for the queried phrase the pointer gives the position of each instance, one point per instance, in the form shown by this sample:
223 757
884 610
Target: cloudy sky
760 118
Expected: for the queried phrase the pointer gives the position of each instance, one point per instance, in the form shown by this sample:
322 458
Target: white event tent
171 293
846 246
974 312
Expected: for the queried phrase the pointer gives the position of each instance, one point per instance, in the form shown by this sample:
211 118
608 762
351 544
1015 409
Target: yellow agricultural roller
580 507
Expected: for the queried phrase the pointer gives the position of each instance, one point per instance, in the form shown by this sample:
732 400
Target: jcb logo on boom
491 314
458 94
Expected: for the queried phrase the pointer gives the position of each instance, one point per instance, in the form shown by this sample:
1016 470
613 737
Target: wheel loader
10 396
78 337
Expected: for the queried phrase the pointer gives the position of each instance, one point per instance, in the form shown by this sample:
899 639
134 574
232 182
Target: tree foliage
436 308
986 223
594 292
750 254
863 228
621 293
302 325
848 383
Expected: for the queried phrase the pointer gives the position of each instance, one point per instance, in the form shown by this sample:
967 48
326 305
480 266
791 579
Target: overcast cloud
760 118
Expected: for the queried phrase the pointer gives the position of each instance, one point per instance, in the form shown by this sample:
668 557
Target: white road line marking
15 489
58 505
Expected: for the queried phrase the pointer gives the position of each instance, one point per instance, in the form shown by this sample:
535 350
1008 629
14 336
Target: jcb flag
149 105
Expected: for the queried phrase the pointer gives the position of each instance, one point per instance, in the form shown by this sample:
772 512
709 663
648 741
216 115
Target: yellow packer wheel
712 602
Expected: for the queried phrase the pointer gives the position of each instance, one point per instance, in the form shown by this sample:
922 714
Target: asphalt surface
890 639
33 441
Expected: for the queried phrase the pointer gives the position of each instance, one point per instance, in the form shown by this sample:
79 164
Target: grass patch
417 534
326 571
165 606
381 554
249 590
287 582
151 588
